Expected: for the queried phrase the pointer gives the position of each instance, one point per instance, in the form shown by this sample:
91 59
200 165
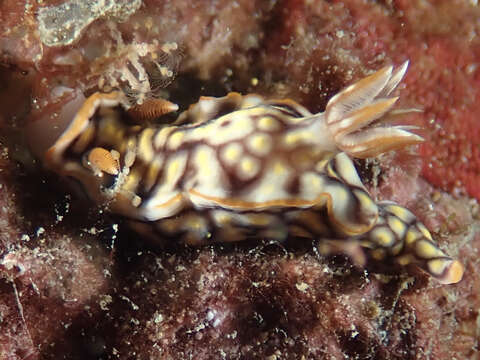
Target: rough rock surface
83 287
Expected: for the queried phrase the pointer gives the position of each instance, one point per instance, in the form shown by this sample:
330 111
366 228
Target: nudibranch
243 167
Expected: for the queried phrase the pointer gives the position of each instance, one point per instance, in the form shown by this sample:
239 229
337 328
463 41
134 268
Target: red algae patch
47 278
445 82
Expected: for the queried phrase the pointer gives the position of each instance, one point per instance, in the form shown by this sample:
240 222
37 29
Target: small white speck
471 68
303 287
158 318
180 268
134 306
40 231
105 300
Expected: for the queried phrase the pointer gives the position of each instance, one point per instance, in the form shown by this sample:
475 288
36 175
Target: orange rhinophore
151 109
101 160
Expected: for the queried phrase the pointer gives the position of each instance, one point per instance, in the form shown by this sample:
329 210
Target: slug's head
98 148
88 152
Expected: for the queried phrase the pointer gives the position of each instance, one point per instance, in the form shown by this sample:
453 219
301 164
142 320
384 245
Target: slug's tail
349 113
399 234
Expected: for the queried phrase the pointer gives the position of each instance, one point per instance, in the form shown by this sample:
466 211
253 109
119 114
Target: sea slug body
242 167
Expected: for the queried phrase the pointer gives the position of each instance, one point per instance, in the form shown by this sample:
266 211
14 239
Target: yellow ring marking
268 124
412 236
397 226
145 149
382 236
175 140
400 212
231 153
248 167
426 250
260 144
424 231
